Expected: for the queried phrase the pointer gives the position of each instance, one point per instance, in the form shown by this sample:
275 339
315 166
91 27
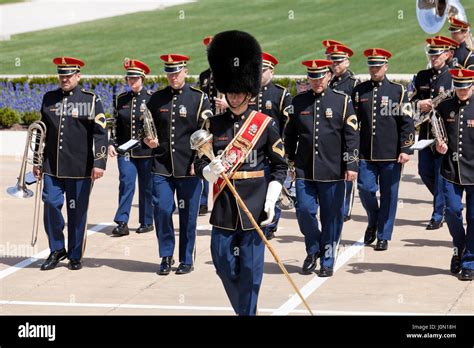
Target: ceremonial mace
201 141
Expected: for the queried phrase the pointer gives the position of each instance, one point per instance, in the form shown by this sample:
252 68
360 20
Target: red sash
240 147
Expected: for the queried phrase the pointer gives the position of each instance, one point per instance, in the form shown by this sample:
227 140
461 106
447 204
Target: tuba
33 155
432 14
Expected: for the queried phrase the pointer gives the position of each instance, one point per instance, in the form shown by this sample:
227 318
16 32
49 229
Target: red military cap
330 42
174 62
268 61
462 78
457 25
437 46
207 40
453 43
339 52
317 68
68 65
377 56
135 67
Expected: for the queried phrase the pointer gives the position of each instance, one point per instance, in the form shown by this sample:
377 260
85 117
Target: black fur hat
235 58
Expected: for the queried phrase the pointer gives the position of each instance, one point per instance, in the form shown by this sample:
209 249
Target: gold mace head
201 141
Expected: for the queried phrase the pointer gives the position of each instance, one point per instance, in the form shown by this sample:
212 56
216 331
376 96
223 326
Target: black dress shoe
309 263
165 267
121 229
203 210
74 265
184 269
325 272
381 245
370 235
53 259
144 228
347 218
434 225
466 274
455 264
271 233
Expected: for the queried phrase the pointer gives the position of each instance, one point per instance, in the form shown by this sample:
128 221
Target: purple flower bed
23 97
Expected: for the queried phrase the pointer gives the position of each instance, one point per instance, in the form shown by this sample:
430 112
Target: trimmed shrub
8 117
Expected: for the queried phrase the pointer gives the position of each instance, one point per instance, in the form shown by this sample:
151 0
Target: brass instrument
422 117
432 14
35 143
438 129
149 130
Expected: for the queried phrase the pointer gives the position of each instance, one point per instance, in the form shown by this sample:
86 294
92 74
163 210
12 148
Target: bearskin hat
235 59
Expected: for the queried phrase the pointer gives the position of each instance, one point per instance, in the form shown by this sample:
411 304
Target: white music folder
422 144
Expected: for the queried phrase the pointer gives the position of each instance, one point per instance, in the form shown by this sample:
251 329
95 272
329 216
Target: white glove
212 171
273 193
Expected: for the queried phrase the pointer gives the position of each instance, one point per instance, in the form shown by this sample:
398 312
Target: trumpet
438 129
35 143
149 129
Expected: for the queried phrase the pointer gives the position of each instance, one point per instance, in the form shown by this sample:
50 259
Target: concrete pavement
119 277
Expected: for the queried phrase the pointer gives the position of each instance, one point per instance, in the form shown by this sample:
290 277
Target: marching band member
453 46
236 248
137 161
273 100
429 84
457 168
463 55
74 120
322 141
343 81
218 105
386 135
178 110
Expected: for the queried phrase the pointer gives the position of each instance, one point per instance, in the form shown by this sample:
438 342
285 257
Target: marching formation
338 134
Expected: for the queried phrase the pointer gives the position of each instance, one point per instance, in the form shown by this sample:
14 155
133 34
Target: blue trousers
386 177
77 199
205 193
349 198
188 191
129 168
429 168
239 258
329 198
463 239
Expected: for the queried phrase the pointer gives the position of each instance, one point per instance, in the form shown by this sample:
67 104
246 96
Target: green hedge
8 117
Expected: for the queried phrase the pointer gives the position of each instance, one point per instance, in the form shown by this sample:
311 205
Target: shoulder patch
150 92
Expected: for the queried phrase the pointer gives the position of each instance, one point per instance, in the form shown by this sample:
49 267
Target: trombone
34 147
